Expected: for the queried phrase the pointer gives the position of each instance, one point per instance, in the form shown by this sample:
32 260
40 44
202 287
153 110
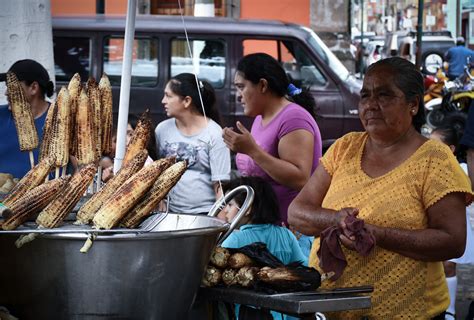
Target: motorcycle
451 108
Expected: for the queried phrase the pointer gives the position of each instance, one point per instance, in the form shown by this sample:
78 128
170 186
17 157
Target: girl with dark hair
260 224
450 137
193 134
36 84
284 145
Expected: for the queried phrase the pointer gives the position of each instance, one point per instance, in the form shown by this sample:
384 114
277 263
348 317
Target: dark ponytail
49 89
256 66
184 85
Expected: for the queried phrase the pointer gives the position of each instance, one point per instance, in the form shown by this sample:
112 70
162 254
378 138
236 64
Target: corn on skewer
94 101
47 130
160 189
84 131
33 178
88 210
140 137
22 115
60 134
33 202
127 196
105 90
64 202
74 89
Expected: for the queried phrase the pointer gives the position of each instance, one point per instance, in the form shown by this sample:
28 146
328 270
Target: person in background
260 224
457 57
467 141
284 145
193 134
409 191
449 136
37 86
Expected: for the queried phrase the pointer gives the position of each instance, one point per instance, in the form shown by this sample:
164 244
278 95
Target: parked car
93 45
434 45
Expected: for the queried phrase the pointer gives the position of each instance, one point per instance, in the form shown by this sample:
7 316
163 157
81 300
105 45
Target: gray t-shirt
208 162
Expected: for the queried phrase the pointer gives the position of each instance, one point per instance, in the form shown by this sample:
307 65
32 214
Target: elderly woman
409 190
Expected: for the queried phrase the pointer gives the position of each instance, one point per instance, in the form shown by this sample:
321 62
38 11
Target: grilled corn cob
127 196
64 202
140 137
21 111
33 202
60 134
105 90
74 88
94 102
160 189
47 131
33 178
84 131
88 210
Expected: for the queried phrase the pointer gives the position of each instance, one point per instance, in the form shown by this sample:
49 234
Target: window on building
171 7
292 57
209 60
144 65
71 55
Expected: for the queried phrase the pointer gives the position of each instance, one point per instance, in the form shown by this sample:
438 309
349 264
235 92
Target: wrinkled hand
242 142
346 239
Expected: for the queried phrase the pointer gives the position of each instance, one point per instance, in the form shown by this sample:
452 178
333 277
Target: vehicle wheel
431 62
457 120
435 118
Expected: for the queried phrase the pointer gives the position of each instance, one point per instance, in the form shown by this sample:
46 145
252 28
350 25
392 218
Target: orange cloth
403 287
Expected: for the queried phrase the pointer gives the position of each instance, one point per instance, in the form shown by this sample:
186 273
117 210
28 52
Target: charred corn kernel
22 115
160 189
33 178
64 202
127 196
47 131
140 137
105 90
32 202
60 134
74 88
84 131
94 102
88 210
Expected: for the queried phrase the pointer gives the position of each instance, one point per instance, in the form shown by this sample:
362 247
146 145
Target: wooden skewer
56 174
32 159
63 173
99 179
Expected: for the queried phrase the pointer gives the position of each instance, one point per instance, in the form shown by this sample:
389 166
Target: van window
71 55
208 62
144 65
297 64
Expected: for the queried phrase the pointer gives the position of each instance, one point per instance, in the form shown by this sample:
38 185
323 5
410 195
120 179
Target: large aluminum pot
153 275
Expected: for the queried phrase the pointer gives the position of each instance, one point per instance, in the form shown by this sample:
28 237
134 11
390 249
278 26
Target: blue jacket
457 58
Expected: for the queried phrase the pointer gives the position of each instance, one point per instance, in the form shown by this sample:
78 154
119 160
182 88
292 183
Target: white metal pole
125 84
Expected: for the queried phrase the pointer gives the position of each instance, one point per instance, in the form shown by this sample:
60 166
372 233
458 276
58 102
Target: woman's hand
346 238
242 142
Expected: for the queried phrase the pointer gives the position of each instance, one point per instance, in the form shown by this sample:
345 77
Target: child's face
229 211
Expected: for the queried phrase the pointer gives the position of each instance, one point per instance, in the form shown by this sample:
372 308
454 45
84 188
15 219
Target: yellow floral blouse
404 288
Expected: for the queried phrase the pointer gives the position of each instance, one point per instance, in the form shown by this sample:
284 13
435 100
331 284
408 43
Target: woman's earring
413 111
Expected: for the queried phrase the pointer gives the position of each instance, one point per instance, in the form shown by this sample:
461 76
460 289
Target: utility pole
362 48
419 33
25 33
202 8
